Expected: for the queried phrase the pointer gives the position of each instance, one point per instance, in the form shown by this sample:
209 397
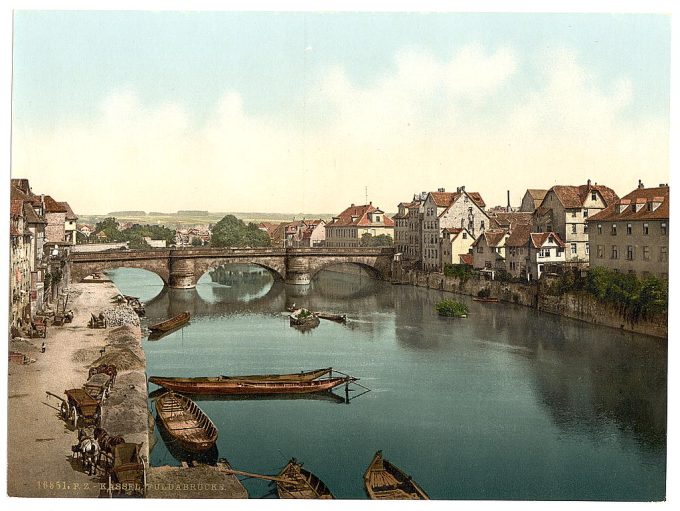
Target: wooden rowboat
227 386
171 324
384 481
301 376
185 422
295 482
485 300
330 316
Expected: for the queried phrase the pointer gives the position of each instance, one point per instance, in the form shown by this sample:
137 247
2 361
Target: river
508 403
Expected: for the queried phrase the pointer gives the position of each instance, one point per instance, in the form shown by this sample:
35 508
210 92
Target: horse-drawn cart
127 476
98 386
97 321
38 328
79 407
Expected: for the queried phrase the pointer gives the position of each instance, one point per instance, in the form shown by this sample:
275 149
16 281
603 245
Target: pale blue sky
67 65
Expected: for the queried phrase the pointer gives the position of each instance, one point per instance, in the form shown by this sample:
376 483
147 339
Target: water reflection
553 408
235 283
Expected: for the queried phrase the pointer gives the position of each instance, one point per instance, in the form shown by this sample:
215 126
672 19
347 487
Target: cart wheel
75 417
98 415
63 410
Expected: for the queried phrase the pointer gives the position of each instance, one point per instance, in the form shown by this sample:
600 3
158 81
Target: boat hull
240 387
302 484
385 481
185 422
170 324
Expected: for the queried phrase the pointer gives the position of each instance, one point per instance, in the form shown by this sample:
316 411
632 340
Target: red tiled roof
509 219
466 259
358 216
638 196
52 206
445 199
31 216
70 215
477 199
519 236
539 238
16 207
13 231
575 196
493 237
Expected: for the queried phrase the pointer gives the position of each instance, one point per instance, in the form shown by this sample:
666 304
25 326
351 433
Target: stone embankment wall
572 305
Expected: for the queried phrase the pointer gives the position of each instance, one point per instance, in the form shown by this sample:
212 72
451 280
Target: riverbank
581 306
39 441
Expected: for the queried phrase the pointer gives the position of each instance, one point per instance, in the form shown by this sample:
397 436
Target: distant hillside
183 218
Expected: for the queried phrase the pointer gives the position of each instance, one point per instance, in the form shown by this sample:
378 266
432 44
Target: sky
311 111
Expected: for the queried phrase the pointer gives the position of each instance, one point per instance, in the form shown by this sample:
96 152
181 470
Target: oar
256 476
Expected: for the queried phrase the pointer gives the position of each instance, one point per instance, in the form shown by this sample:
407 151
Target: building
347 229
414 245
313 233
565 210
508 220
454 243
530 254
532 200
488 250
631 235
55 215
21 255
401 229
442 209
70 227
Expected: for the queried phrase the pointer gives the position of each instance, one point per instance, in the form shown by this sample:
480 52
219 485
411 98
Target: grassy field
175 220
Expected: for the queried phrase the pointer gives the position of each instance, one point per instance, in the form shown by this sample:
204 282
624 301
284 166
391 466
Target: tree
232 232
382 240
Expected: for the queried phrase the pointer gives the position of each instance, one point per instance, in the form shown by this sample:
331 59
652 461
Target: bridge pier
297 271
182 273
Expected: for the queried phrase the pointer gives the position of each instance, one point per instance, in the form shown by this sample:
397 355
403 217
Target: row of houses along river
506 404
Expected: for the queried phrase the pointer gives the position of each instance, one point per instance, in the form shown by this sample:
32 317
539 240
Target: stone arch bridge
182 267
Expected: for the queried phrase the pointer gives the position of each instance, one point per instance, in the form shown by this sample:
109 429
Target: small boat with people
171 324
185 422
303 318
385 481
229 386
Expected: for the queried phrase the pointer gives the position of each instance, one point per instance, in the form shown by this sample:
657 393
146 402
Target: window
573 228
629 229
593 196
600 252
645 229
585 228
664 230
629 252
573 248
663 254
585 213
587 249
464 235
377 219
549 228
480 249
645 253
481 225
573 214
613 229
615 252
599 228
470 210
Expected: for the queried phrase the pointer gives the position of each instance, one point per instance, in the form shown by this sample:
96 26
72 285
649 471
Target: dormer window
593 196
377 219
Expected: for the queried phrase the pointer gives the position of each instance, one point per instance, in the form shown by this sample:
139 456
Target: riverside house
631 235
530 254
347 229
565 210
488 251
455 242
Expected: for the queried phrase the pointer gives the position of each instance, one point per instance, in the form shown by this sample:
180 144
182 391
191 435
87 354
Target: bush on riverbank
633 298
461 271
451 309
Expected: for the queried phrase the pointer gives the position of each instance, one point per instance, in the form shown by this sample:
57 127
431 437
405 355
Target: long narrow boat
218 385
384 481
185 422
485 300
295 482
330 316
171 382
171 324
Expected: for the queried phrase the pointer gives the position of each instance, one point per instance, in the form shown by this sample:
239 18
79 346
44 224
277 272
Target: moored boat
330 316
171 324
185 422
385 481
229 386
485 300
295 482
304 318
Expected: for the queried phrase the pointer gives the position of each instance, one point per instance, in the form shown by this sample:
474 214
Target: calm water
507 404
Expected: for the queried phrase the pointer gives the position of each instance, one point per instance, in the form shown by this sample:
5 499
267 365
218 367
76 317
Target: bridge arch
79 272
275 267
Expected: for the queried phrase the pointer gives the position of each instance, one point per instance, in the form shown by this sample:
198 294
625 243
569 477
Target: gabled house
454 243
442 210
70 227
347 229
488 250
55 215
565 210
530 254
532 200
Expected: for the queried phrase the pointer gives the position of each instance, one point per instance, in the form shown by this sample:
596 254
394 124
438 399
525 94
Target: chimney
351 205
441 189
640 185
508 209
588 182
458 189
462 188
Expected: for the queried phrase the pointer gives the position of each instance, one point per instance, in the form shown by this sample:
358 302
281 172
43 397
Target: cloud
472 119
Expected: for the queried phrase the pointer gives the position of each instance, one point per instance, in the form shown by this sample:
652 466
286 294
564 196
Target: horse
88 450
106 442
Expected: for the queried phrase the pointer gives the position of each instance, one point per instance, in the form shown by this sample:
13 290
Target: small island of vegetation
452 309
